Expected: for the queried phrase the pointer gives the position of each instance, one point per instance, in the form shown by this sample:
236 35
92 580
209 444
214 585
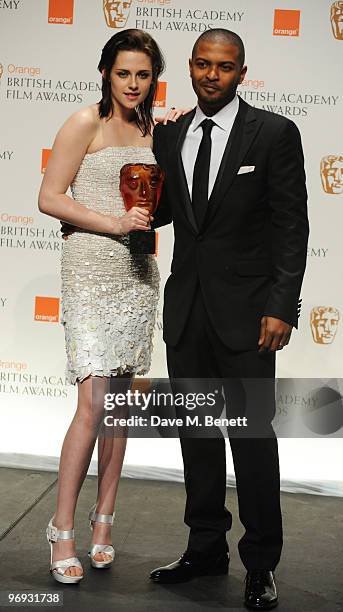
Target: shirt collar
223 118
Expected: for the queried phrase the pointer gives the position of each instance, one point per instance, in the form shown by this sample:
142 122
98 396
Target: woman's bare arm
69 148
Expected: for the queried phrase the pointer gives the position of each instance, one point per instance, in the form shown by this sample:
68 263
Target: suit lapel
244 131
180 171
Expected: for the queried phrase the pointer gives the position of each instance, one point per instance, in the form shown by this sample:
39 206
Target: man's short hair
222 35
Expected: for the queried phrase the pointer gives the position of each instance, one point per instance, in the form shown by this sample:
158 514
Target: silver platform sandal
58 568
100 548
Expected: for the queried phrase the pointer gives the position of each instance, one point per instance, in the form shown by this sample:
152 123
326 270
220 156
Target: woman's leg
75 458
111 451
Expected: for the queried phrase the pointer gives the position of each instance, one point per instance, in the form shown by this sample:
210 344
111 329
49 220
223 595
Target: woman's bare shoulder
86 118
80 126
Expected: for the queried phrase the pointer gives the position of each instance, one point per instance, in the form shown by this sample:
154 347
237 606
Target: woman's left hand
172 115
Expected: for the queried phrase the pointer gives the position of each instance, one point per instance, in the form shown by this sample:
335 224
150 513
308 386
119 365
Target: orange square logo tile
161 95
61 11
47 309
45 156
286 22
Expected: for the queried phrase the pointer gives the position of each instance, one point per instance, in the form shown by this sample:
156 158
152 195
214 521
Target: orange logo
161 95
47 309
286 22
45 157
324 323
336 17
61 11
331 173
116 13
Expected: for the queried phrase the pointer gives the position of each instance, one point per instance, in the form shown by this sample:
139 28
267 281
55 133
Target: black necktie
201 172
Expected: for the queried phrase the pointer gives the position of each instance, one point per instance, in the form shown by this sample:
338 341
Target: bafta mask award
141 185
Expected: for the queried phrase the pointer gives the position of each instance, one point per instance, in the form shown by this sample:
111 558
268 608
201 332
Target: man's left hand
274 334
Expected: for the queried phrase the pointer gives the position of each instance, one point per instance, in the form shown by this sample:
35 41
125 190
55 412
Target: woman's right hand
135 219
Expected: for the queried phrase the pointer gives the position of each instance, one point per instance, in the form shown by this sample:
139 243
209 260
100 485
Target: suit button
200 237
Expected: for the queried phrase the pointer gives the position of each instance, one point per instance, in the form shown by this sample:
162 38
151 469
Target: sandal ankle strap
100 518
55 534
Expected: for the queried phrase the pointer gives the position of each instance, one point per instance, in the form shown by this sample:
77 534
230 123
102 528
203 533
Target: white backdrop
49 51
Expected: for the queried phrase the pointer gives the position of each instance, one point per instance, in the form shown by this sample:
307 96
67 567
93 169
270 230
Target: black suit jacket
249 255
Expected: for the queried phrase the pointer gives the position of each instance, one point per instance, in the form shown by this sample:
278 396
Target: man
235 191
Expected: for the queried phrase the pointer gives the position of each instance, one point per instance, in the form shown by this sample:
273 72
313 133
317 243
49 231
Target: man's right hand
67 230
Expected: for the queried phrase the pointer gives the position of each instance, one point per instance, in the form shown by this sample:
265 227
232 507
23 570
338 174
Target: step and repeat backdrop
49 51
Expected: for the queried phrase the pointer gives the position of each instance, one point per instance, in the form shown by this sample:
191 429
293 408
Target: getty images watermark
240 407
165 400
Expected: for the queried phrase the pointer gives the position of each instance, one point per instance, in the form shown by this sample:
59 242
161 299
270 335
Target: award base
143 242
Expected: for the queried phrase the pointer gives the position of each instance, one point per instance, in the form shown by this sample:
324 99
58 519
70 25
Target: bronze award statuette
141 185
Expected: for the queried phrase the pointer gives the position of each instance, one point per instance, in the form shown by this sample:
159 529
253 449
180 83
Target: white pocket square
245 169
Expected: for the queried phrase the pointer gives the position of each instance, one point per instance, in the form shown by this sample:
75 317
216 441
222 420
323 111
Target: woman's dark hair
131 40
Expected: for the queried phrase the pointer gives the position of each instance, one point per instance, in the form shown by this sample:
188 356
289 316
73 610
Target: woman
109 296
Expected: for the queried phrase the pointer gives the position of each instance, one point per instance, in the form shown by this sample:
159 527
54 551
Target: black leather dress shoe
185 569
260 590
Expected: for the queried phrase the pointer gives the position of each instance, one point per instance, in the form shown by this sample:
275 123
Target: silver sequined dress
109 297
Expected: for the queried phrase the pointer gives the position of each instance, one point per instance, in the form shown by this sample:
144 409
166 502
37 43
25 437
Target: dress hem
72 379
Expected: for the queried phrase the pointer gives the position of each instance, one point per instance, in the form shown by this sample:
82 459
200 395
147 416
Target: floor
148 532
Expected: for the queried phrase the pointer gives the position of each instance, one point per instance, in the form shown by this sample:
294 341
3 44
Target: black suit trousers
201 354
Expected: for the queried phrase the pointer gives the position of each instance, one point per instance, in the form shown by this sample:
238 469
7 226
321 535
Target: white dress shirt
224 120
